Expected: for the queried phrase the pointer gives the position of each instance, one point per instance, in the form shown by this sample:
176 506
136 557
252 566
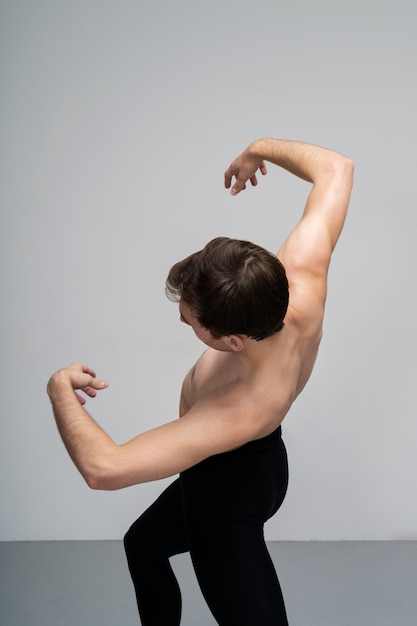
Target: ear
236 342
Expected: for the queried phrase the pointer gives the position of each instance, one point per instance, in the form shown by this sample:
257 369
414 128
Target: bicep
161 452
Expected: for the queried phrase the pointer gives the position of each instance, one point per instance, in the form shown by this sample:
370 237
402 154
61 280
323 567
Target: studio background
118 121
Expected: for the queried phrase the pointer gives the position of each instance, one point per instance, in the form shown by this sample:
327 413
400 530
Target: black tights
215 510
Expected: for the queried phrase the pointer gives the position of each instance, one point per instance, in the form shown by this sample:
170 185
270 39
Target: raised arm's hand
244 168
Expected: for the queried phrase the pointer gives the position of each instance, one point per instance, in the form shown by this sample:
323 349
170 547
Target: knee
132 541
139 544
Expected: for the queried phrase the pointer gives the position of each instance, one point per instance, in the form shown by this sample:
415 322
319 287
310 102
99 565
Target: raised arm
307 251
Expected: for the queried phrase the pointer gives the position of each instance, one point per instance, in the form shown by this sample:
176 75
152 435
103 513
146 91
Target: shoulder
202 377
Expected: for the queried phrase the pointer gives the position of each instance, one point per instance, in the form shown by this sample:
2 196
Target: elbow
345 166
100 483
340 173
94 481
349 166
100 477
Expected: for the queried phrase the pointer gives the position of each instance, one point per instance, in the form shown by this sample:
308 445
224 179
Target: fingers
241 178
89 391
240 185
84 378
228 178
80 378
97 384
88 370
80 399
78 367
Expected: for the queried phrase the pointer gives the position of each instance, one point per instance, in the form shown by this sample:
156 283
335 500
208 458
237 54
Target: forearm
305 160
90 448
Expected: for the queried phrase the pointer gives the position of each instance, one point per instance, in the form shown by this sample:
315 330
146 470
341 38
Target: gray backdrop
118 120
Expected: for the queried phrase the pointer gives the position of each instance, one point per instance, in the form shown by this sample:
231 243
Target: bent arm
330 172
86 443
221 422
306 253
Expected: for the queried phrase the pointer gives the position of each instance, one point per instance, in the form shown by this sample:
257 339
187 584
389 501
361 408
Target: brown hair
233 287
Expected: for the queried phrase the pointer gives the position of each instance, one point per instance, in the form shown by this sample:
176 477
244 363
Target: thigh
226 502
235 572
160 530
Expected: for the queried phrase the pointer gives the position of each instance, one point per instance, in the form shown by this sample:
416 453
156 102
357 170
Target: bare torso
265 385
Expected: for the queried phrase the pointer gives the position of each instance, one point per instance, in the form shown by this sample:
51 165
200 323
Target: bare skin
240 389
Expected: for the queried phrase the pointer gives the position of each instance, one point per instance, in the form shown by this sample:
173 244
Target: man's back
264 378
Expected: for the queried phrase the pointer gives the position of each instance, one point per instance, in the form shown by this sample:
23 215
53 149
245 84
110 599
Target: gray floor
324 584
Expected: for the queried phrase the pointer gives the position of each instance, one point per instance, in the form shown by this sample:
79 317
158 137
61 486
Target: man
227 446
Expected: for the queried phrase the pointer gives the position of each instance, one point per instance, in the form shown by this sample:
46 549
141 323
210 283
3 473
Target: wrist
57 384
260 148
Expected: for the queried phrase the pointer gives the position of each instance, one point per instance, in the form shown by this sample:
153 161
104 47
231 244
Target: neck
253 355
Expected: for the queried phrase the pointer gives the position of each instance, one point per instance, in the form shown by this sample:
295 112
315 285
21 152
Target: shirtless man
227 446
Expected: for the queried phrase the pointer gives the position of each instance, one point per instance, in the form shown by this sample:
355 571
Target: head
232 287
